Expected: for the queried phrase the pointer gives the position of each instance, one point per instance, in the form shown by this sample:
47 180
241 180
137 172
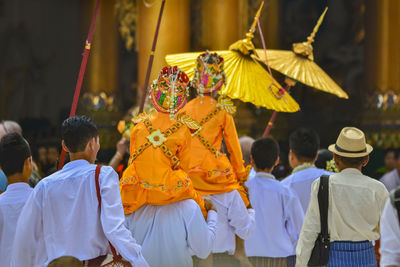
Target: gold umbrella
299 65
247 78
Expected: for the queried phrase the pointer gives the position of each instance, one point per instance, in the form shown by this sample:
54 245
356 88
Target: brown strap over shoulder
97 175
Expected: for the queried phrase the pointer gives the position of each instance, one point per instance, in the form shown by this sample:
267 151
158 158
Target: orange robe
150 178
211 174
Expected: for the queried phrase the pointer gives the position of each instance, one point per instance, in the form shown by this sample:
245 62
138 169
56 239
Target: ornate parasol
299 66
247 78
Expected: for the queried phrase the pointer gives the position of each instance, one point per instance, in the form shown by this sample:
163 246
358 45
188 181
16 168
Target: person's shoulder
389 175
376 184
287 180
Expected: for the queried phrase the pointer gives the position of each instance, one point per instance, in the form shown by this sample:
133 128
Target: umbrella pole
151 59
82 70
289 83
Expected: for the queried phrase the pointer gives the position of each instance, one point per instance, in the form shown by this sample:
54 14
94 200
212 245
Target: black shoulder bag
320 252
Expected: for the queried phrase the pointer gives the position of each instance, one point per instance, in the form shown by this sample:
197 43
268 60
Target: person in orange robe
212 172
160 149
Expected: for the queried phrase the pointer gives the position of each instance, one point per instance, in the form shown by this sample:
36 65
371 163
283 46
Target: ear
365 161
335 158
276 161
28 167
64 147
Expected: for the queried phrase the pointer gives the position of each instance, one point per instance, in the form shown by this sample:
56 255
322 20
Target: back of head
77 131
245 144
264 152
324 155
305 144
14 150
9 127
65 261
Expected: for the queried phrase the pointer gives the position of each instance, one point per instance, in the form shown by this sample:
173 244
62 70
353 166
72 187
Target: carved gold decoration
126 14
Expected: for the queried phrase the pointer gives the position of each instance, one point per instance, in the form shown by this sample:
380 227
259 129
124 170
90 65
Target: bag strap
97 174
395 200
323 203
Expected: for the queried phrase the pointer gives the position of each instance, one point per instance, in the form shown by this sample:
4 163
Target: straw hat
351 143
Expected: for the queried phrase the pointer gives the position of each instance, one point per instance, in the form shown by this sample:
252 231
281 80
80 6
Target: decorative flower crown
169 91
209 74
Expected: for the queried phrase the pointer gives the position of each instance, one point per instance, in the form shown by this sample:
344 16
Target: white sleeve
113 219
28 247
241 219
201 235
294 216
390 236
310 230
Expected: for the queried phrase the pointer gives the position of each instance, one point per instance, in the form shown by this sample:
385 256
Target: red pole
151 59
82 70
273 117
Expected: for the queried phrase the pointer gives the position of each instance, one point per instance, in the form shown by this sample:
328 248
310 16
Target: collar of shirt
351 171
76 163
303 167
17 186
266 175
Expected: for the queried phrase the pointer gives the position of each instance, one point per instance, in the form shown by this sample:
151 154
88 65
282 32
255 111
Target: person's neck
17 178
341 168
79 156
300 163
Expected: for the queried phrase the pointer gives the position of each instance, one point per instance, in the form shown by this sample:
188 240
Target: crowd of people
181 201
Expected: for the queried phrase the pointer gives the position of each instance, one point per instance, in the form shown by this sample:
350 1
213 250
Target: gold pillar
382 45
270 20
221 22
174 35
103 62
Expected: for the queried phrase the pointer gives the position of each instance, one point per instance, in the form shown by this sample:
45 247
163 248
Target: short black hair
396 152
14 150
324 155
265 151
304 143
352 162
77 131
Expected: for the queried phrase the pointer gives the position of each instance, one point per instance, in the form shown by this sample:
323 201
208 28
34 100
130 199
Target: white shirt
233 219
355 207
300 183
390 236
62 217
391 180
171 234
279 217
11 203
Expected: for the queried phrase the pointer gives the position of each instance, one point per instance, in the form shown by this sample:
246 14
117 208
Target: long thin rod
151 59
82 70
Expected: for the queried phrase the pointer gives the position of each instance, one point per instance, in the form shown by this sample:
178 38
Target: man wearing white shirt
304 145
355 207
390 234
16 161
279 215
392 179
171 234
62 216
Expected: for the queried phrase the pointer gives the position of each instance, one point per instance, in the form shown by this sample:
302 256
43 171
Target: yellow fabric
150 179
212 175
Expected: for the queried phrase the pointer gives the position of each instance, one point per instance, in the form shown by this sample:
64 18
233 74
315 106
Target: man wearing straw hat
355 206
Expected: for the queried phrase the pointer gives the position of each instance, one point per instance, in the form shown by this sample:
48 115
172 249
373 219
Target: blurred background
41 43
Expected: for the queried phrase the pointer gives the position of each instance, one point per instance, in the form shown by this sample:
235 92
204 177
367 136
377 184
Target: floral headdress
169 91
209 74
